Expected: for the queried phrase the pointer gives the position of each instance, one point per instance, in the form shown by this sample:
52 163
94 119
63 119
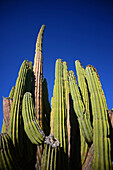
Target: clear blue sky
75 29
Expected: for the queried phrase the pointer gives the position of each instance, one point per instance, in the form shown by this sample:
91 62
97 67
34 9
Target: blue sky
75 29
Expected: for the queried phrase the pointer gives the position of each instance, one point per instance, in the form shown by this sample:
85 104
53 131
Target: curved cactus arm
79 108
31 125
38 74
8 157
101 132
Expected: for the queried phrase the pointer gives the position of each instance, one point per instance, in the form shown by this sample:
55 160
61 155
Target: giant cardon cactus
74 133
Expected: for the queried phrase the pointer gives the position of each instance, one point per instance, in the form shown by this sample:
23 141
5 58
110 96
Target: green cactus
31 126
58 112
74 133
80 109
15 115
101 132
81 75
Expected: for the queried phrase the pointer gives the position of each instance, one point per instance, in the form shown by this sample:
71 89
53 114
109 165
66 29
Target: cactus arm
16 127
100 123
40 39
79 108
32 127
38 73
16 102
81 75
58 112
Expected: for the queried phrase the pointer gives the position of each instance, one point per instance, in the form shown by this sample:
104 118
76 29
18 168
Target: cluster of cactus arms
75 132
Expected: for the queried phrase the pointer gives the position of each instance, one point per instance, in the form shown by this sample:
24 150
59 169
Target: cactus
58 112
74 133
15 115
31 125
38 75
81 75
80 109
101 131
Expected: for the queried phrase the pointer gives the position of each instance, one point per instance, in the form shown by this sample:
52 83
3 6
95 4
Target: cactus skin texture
101 131
74 133
8 158
31 125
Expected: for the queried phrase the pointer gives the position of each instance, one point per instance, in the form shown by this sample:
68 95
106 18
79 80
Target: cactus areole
74 133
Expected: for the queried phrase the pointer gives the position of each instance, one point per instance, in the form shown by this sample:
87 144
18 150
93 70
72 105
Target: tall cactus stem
79 108
38 73
101 132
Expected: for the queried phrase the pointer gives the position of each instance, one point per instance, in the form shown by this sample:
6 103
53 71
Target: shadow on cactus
74 133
